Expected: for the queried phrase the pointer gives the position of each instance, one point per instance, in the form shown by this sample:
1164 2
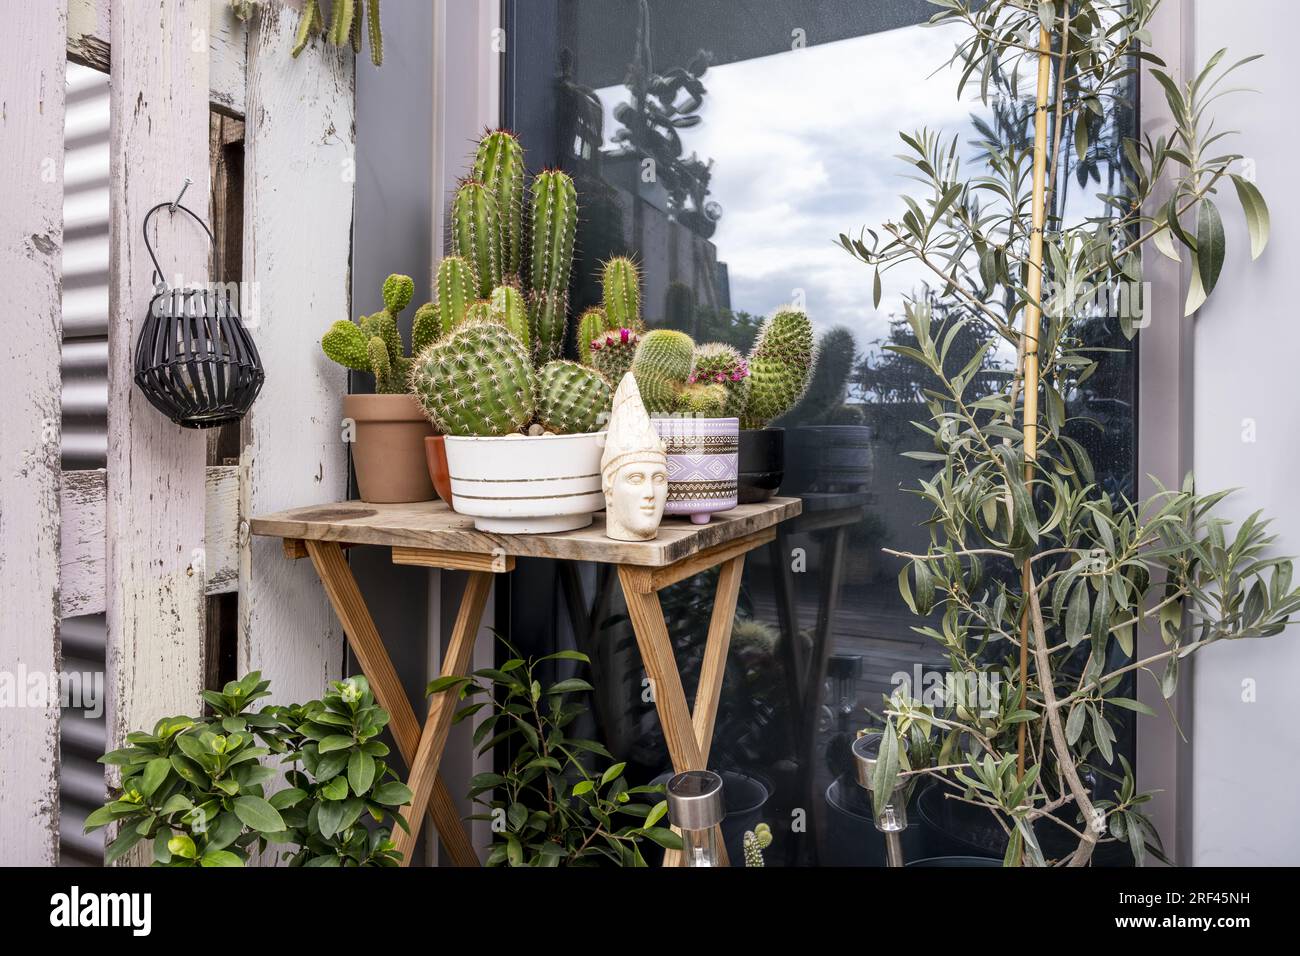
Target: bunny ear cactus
572 398
476 234
780 365
662 364
479 381
722 365
373 344
621 293
499 165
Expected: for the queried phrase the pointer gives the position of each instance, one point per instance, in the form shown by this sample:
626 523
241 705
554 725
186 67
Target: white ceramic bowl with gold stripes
526 485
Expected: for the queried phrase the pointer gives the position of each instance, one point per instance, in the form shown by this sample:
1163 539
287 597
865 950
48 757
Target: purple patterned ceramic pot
702 466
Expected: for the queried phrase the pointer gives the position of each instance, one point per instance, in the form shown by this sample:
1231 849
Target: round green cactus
612 352
478 381
555 222
476 234
702 401
666 353
780 365
499 165
621 293
716 363
572 398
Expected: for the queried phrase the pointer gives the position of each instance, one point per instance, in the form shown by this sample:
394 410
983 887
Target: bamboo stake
1033 315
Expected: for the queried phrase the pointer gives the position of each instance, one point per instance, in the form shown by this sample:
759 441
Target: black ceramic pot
761 463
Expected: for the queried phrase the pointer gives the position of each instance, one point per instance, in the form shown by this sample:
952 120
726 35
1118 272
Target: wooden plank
88 43
375 663
81 543
424 766
154 521
432 525
714 666
657 579
454 561
222 521
299 150
31 248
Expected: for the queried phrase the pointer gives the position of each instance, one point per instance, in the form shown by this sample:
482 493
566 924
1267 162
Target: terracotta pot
702 465
526 485
435 455
762 463
388 448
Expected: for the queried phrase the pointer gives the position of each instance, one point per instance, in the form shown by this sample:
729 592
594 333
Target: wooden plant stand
428 534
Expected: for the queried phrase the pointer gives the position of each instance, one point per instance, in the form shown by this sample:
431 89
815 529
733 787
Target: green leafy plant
1030 560
195 788
344 28
561 800
374 344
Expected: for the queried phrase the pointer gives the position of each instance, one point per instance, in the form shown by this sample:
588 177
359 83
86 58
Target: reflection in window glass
726 146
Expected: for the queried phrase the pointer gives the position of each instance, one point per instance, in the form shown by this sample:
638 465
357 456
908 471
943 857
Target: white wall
1245 769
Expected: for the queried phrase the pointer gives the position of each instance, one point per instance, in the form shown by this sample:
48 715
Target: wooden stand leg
363 638
689 736
456 661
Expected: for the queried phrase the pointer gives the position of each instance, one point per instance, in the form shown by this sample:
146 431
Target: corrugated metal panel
85 428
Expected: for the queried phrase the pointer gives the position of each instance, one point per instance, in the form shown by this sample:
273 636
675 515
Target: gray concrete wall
1244 730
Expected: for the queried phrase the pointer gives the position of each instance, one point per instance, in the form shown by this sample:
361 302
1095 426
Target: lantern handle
158 282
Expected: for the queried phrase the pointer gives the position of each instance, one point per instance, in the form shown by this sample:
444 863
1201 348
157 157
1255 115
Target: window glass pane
725 146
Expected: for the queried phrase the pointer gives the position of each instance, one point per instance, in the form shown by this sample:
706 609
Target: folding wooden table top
429 534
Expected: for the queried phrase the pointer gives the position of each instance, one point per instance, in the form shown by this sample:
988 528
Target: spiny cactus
548 317
723 365
373 343
611 353
476 234
702 400
620 284
478 381
455 286
499 165
755 841
507 306
572 398
662 364
554 224
592 325
780 365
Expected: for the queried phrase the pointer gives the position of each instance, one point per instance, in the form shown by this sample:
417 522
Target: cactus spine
499 165
702 400
373 344
548 314
572 398
611 353
662 365
722 365
554 223
780 366
476 234
592 325
507 306
621 293
479 381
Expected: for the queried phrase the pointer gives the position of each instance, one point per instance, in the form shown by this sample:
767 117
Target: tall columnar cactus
780 365
554 224
572 398
592 325
373 343
611 353
507 306
478 381
723 365
456 290
499 165
548 318
620 283
476 234
662 364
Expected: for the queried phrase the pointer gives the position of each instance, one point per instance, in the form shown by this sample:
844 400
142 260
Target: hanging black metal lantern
194 361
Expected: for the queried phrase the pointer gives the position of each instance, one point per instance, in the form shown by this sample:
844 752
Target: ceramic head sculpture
634 469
